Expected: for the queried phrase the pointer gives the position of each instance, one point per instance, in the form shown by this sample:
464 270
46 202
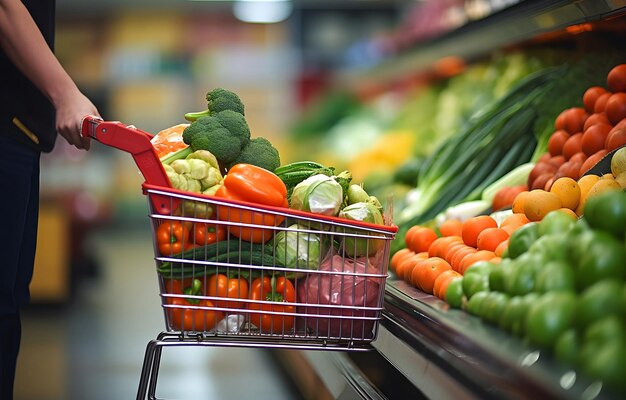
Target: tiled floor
93 348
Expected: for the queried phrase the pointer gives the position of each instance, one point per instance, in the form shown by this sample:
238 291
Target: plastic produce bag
342 297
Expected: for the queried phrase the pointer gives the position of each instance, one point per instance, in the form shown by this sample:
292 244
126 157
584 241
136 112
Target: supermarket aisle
93 348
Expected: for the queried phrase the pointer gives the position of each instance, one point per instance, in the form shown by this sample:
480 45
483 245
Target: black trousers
10 334
19 205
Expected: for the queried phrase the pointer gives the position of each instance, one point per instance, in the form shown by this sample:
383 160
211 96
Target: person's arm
22 41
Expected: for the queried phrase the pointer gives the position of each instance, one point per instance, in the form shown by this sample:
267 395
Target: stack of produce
552 269
282 251
511 132
584 135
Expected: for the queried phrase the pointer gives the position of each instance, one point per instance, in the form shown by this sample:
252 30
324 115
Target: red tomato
557 161
616 78
601 103
539 169
570 169
575 118
590 97
556 142
616 107
616 138
541 180
591 161
595 137
573 145
596 118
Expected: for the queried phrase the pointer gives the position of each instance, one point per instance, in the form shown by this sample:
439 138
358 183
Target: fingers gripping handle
133 141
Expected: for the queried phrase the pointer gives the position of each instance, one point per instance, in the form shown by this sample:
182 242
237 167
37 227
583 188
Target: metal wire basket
326 290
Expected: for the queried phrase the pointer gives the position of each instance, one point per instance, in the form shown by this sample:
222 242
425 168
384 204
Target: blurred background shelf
368 86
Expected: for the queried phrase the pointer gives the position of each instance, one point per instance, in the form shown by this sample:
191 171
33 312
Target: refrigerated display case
424 348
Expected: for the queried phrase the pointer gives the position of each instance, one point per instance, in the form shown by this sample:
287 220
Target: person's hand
69 117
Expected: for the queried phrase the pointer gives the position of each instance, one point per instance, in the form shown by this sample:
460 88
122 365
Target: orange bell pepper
252 184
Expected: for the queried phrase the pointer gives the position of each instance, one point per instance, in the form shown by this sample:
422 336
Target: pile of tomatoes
584 135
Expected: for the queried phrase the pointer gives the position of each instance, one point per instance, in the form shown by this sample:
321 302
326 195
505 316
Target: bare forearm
23 43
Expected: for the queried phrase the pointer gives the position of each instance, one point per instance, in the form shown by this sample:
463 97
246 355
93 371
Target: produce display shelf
513 25
481 360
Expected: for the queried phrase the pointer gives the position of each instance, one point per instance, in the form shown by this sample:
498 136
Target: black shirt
22 105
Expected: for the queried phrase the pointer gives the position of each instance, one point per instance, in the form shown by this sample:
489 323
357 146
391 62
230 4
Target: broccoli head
221 99
218 100
259 152
236 125
224 136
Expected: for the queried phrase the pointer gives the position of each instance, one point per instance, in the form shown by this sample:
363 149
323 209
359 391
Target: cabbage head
297 249
319 194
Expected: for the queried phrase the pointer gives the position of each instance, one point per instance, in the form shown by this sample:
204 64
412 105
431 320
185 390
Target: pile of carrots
432 259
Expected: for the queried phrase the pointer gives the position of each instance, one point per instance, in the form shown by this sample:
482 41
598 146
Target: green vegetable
408 172
224 134
366 212
218 100
454 293
555 275
294 173
602 258
475 303
600 300
320 194
493 142
222 252
521 277
493 306
259 152
496 141
549 317
476 278
357 194
521 240
567 347
298 249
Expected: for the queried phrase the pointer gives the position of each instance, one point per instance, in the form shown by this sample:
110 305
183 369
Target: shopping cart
242 288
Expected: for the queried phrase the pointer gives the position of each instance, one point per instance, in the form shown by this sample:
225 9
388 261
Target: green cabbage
319 194
297 249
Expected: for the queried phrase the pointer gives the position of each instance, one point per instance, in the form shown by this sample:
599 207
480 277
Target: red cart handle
137 143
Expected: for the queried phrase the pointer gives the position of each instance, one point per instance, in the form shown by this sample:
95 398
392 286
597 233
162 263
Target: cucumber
298 166
252 254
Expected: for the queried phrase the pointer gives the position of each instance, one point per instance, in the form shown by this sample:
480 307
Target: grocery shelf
475 359
511 26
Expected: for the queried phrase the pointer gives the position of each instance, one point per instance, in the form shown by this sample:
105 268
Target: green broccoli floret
236 125
221 99
223 134
259 152
218 100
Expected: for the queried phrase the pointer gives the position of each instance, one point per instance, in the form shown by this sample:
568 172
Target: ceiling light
262 11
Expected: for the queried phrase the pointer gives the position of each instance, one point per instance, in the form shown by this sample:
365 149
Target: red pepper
172 238
184 318
204 234
280 291
246 182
